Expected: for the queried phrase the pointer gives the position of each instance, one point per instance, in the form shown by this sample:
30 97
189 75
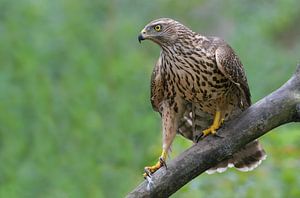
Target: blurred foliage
75 117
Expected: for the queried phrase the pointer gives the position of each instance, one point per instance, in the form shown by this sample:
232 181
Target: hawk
198 83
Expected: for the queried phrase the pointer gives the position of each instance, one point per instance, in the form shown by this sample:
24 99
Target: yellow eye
157 28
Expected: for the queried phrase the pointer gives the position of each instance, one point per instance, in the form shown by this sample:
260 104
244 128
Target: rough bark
280 107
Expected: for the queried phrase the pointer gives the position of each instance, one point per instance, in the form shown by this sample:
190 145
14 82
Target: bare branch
280 107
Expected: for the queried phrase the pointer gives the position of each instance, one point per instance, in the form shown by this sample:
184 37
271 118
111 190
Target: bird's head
162 31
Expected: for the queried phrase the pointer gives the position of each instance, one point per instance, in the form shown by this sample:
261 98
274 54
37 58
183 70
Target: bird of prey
198 83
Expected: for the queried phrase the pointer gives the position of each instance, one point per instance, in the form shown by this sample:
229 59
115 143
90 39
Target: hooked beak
141 38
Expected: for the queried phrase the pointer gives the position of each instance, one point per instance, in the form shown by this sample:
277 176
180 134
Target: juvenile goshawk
197 83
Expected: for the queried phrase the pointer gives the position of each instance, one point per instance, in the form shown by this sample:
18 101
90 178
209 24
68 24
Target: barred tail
246 159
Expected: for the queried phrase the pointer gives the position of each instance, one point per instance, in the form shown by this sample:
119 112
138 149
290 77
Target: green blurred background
76 119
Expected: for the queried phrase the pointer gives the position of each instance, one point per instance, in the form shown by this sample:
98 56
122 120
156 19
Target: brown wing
230 65
157 93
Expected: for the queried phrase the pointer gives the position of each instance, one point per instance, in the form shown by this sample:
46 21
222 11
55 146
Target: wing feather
230 66
157 93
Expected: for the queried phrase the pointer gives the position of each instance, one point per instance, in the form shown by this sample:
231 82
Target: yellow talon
216 125
152 169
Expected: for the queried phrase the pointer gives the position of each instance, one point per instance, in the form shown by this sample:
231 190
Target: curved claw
149 170
202 136
217 122
147 173
199 137
162 162
206 133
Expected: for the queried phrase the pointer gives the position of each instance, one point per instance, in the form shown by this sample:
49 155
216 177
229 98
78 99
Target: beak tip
140 38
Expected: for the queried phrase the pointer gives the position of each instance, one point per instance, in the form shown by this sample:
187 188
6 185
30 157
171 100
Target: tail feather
246 159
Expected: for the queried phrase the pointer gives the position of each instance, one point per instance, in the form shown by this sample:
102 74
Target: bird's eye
157 28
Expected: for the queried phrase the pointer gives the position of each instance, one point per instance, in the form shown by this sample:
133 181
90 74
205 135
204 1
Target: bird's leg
218 120
170 117
161 162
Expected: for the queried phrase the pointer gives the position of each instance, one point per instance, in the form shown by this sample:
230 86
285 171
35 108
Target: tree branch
280 107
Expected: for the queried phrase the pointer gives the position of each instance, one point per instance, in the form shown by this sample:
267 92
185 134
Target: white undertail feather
247 159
